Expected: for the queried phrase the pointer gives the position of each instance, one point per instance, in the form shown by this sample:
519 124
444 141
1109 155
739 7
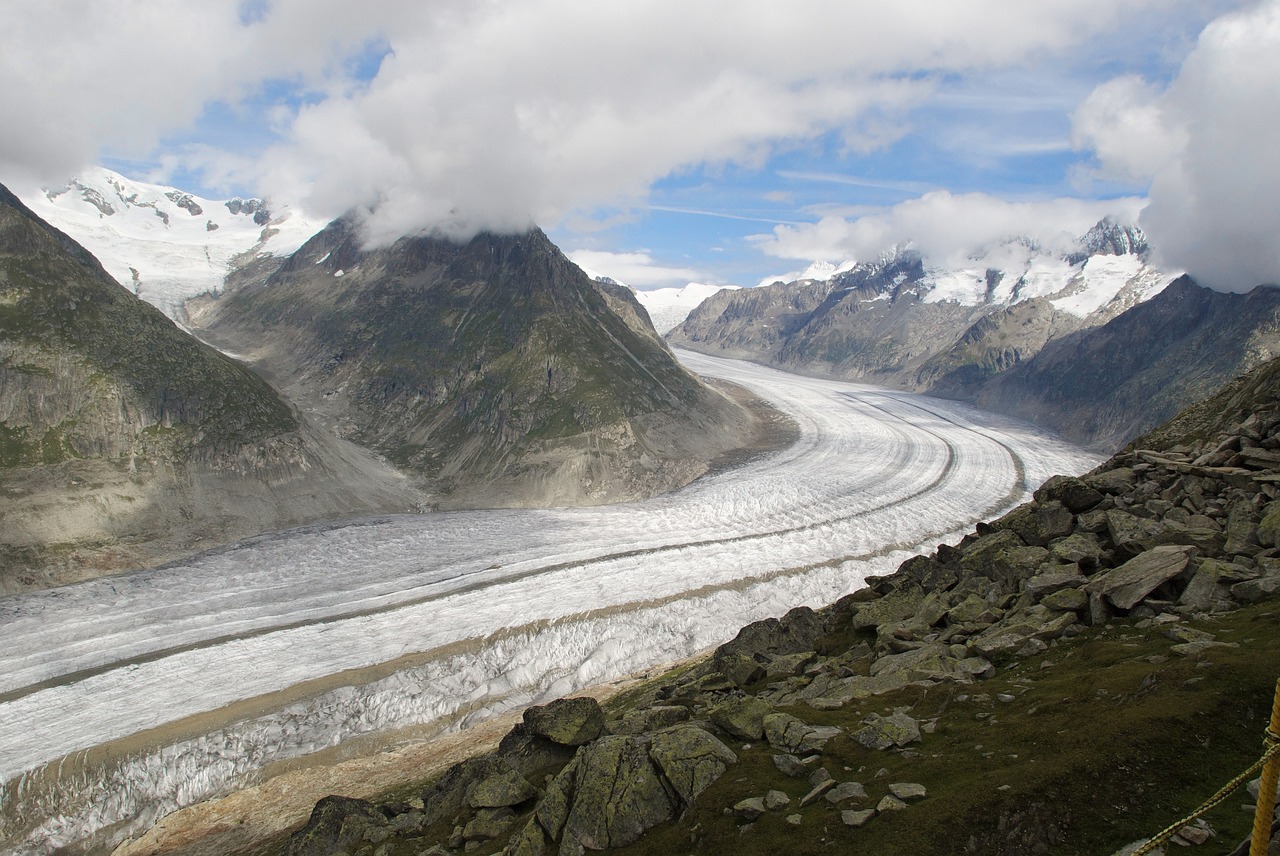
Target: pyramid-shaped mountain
495 371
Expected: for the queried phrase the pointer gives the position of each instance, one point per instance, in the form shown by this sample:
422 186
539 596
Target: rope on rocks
1271 742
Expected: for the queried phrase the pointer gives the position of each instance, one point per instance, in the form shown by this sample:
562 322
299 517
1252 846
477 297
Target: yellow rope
1273 750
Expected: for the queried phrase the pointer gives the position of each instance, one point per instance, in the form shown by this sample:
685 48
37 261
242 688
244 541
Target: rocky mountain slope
1094 343
1066 679
124 441
495 371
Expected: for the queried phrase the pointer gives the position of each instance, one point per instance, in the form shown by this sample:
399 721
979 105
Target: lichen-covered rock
690 759
739 668
616 794
566 721
337 825
505 788
1038 523
786 732
790 765
845 791
1072 492
885 732
488 824
743 718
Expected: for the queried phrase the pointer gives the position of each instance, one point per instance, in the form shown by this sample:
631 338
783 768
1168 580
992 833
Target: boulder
1072 492
337 824
1066 600
897 605
741 669
846 791
652 719
1269 528
505 788
1118 480
750 808
608 796
796 631
885 732
690 759
786 732
790 765
1038 523
1003 558
1081 548
566 721
776 800
743 718
817 792
856 819
488 824
1126 586
908 791
1242 529
1252 591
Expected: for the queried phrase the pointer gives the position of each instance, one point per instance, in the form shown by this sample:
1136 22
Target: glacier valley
125 698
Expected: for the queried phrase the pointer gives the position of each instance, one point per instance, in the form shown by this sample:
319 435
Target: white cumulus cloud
501 113
945 228
1207 144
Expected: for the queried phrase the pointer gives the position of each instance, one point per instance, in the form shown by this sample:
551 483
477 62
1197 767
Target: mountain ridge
494 370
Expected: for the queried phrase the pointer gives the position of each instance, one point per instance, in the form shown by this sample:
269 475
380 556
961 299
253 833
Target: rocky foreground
1066 679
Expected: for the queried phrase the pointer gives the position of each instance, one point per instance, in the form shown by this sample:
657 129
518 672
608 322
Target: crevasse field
124 698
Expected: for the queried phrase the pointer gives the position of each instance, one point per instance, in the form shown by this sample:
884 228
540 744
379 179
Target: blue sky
715 141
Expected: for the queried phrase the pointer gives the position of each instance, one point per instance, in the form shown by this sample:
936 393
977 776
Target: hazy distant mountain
496 370
124 441
669 307
164 244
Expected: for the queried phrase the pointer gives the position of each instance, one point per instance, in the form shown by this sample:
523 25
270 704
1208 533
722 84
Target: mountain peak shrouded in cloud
606 120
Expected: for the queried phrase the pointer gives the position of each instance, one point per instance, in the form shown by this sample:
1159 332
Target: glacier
125 698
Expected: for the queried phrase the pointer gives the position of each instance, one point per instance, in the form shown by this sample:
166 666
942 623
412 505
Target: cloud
500 113
1206 144
945 228
637 269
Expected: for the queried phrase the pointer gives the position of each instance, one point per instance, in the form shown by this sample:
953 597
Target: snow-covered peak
1108 270
1109 238
668 307
820 271
165 244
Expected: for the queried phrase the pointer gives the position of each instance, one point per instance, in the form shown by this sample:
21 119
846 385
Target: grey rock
787 665
885 732
1067 600
506 788
817 792
1252 591
790 765
857 819
743 718
750 808
786 732
1128 584
819 776
1082 548
566 721
652 719
890 803
1072 492
795 819
690 759
776 800
336 824
846 791
613 795
908 791
489 823
741 669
